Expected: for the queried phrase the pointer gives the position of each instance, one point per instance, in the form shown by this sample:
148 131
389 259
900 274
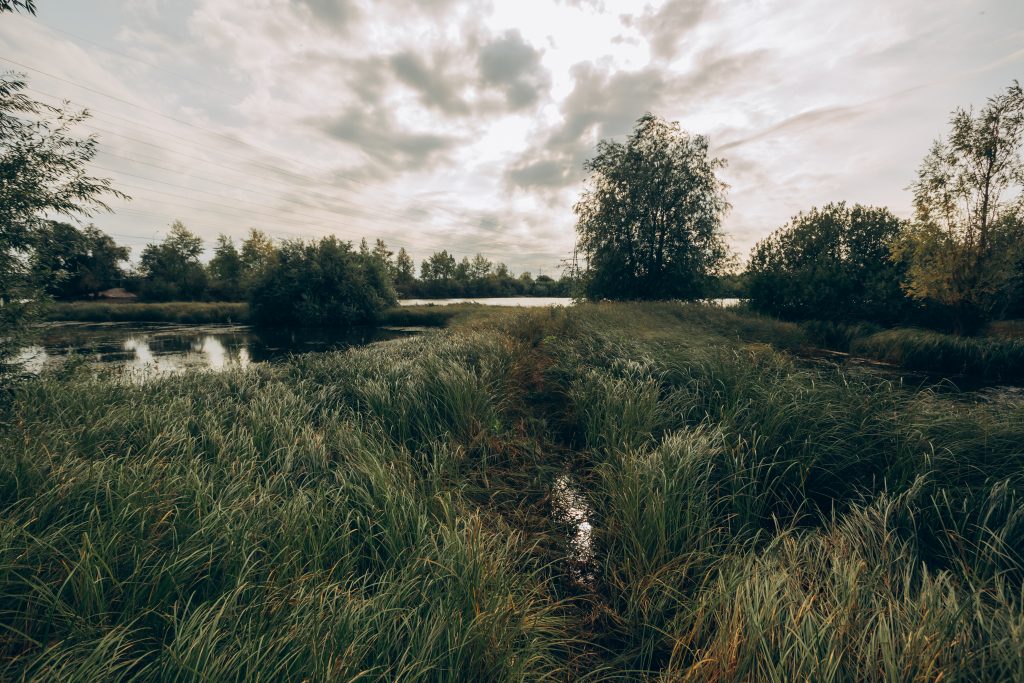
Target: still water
494 301
158 348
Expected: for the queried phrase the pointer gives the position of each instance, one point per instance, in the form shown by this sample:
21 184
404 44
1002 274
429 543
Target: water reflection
572 508
147 349
527 301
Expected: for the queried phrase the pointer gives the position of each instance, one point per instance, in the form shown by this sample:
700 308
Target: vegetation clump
320 284
649 225
831 263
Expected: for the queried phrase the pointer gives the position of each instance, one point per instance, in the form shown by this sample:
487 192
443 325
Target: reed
380 513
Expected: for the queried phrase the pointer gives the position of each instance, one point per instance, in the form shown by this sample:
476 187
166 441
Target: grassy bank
196 312
991 358
386 513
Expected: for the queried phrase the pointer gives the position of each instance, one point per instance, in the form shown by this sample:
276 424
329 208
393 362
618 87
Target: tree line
649 227
74 263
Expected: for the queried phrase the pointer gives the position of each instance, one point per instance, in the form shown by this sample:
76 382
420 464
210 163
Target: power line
230 139
366 209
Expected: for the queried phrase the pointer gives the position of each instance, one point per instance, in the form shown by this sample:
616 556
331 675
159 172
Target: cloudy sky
464 124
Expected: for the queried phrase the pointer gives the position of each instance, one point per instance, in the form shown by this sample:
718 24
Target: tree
649 223
225 270
257 251
16 5
383 255
480 267
76 263
831 263
320 284
171 270
42 172
968 228
405 271
437 274
440 266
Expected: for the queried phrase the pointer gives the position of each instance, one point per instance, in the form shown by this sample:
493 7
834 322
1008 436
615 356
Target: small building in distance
116 294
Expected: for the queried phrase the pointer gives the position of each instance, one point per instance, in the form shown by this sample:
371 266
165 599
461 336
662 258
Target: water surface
524 301
493 301
155 348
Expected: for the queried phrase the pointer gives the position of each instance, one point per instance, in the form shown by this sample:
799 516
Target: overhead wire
231 139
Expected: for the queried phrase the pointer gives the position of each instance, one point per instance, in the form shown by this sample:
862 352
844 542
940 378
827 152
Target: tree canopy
76 263
15 5
649 223
171 270
42 174
830 263
320 284
968 231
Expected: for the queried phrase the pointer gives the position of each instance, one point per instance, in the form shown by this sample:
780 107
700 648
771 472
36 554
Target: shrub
320 284
831 263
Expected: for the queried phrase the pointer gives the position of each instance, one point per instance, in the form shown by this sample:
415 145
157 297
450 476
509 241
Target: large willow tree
649 224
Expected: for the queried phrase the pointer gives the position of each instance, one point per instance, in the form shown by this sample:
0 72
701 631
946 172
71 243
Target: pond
155 348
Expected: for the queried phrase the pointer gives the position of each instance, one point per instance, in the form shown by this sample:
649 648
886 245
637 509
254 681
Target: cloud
335 13
465 124
386 144
510 64
602 104
437 88
666 27
804 121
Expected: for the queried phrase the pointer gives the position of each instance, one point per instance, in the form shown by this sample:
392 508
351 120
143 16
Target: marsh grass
990 358
280 524
199 312
759 520
196 312
378 514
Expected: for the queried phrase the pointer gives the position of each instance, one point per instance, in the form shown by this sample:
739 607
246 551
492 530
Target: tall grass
377 514
1000 359
176 312
199 312
292 523
757 520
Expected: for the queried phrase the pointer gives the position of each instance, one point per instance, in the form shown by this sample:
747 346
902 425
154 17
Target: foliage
303 522
321 284
967 241
391 513
76 263
649 225
832 263
225 269
404 270
439 268
42 172
16 5
171 270
195 312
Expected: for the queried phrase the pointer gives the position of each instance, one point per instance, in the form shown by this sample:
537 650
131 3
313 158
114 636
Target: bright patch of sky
464 124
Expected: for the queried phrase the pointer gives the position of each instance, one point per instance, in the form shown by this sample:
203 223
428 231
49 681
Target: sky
464 124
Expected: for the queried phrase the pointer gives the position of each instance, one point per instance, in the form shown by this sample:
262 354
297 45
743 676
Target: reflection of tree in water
148 349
